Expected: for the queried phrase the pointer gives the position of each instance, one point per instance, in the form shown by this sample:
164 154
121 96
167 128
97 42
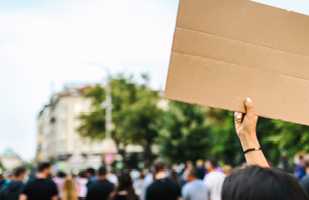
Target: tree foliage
135 114
185 135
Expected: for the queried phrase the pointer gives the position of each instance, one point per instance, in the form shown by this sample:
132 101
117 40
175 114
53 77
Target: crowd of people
204 181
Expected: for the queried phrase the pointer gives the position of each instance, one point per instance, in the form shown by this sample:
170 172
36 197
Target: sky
46 44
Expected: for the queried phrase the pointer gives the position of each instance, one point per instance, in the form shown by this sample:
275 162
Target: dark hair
19 171
193 173
90 171
43 166
159 165
102 171
306 160
213 162
175 177
255 183
61 174
125 184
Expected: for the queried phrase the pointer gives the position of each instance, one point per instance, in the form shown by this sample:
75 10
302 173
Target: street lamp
108 101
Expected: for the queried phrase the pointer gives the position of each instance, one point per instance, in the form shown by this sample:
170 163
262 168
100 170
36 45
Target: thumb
249 108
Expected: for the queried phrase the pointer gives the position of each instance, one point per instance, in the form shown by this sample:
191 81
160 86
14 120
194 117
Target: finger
249 108
238 117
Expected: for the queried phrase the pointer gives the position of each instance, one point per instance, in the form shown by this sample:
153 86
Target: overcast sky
49 41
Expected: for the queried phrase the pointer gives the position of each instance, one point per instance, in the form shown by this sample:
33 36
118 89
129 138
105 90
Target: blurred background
82 83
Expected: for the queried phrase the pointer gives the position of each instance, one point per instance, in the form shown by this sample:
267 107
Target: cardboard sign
227 50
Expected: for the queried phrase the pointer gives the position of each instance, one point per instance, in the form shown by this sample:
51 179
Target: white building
10 160
58 140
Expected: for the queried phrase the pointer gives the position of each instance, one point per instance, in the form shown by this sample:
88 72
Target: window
63 126
64 108
62 146
78 146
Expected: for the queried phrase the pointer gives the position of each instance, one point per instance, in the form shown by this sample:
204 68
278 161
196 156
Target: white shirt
214 181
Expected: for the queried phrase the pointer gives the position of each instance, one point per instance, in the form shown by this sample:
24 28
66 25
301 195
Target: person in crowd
227 169
214 179
7 176
41 188
69 191
81 182
149 178
124 190
194 189
189 167
175 176
15 187
111 176
305 180
101 189
162 188
90 173
138 184
1 180
258 181
300 167
200 169
59 180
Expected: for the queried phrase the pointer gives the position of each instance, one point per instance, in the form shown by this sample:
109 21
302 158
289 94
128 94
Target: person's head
90 172
102 172
306 161
199 163
20 173
125 184
61 174
69 190
211 164
227 169
298 159
125 181
261 183
189 164
45 168
192 175
159 165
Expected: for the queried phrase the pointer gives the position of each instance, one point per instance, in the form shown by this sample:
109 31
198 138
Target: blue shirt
195 190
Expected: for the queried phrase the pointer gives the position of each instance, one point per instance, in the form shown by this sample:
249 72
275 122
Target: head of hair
159 165
301 155
306 160
69 190
90 171
192 173
61 174
125 184
102 171
43 166
199 163
261 183
213 162
19 171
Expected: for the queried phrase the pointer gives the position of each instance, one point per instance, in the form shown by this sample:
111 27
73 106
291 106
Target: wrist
249 143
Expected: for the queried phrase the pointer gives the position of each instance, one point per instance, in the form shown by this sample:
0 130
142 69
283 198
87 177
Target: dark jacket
12 191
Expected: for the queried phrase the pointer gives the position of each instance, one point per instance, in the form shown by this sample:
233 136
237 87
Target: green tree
185 135
135 114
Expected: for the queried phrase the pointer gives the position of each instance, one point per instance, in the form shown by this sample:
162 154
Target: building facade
58 140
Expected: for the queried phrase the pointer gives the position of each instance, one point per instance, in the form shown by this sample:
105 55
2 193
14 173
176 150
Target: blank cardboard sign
227 50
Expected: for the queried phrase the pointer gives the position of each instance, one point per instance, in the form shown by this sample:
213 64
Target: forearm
255 157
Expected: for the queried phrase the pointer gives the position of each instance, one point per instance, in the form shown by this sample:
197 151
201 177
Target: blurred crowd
187 181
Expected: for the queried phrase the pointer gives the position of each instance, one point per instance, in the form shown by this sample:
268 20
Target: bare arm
246 131
23 197
55 197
